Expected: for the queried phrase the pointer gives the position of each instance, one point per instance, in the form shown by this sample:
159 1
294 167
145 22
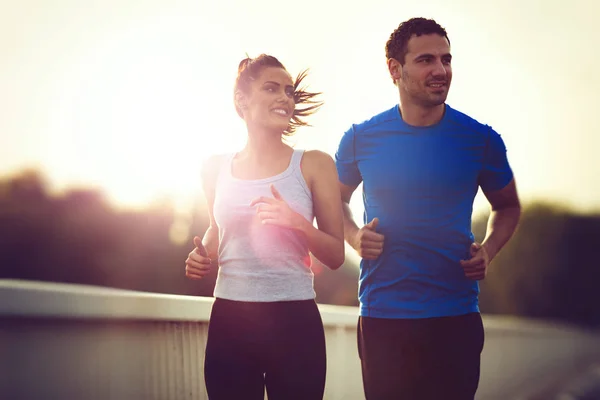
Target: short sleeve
345 160
496 172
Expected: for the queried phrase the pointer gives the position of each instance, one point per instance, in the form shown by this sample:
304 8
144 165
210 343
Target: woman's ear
240 100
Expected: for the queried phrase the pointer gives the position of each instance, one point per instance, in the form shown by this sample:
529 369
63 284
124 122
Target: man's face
426 75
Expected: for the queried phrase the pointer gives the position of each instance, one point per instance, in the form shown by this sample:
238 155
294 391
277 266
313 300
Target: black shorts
253 345
421 359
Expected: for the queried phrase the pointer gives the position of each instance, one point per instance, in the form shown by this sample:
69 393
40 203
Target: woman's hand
197 264
275 211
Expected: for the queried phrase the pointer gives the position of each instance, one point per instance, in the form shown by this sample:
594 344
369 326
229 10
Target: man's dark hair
397 45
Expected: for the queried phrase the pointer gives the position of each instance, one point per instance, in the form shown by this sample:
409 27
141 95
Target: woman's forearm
325 247
210 241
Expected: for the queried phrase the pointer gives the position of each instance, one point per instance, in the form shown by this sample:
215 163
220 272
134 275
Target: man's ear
395 69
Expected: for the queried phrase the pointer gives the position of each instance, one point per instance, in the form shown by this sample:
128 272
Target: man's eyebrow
428 55
425 55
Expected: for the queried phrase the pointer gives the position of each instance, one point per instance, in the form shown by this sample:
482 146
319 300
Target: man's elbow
515 209
518 209
510 213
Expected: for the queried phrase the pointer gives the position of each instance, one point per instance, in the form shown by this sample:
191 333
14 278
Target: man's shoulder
465 121
381 120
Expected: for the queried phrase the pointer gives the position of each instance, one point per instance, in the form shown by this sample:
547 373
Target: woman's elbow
337 259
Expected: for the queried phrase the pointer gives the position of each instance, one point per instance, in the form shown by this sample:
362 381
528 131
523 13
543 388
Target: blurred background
109 108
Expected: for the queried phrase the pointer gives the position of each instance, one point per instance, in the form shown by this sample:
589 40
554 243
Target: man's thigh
458 343
392 358
420 358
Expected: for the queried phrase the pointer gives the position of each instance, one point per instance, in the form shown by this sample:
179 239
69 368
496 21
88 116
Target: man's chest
425 165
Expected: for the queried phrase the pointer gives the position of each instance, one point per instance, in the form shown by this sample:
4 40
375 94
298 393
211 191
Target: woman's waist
275 266
242 285
256 252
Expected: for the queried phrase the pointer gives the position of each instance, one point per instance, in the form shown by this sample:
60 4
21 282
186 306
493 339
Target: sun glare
143 115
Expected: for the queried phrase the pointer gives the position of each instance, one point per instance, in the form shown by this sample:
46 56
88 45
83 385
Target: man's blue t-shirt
420 182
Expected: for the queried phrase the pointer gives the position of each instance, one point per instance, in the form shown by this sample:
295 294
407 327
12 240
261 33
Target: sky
130 96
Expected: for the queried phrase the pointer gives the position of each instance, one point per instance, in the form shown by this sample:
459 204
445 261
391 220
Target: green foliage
549 269
79 238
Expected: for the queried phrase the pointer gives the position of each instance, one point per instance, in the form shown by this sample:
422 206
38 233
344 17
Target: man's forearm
350 227
501 226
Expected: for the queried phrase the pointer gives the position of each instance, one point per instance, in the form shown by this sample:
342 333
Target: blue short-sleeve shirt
420 182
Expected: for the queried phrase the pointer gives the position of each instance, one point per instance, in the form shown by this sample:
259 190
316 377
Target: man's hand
368 243
476 267
197 264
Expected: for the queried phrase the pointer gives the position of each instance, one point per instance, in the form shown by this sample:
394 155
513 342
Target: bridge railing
64 341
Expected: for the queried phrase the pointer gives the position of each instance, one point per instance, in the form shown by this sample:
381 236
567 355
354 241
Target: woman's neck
263 146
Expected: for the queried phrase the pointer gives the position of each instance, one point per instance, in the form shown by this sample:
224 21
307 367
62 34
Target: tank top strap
225 167
296 160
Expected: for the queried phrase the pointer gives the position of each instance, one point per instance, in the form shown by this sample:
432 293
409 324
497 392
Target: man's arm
506 211
504 218
350 227
366 241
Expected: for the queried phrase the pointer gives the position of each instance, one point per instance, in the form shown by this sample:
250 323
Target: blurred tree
548 270
79 238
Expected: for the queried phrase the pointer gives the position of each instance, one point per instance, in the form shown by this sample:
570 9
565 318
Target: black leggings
253 345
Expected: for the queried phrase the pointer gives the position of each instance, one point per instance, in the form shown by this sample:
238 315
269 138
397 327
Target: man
421 162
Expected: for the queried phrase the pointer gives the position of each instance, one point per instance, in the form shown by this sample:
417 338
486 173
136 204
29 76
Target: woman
265 329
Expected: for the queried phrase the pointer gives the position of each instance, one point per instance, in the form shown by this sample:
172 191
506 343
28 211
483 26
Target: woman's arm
210 240
205 253
327 242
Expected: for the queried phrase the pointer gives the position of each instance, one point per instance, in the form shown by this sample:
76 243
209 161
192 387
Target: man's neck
416 115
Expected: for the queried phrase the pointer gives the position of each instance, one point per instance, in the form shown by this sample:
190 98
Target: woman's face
270 101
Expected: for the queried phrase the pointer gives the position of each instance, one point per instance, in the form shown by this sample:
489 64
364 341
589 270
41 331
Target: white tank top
262 262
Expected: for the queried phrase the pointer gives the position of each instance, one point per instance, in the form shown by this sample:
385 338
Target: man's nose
440 70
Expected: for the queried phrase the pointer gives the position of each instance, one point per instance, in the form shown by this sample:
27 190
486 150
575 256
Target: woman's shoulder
316 157
317 164
212 165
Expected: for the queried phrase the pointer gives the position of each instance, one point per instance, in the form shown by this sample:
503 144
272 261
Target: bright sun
142 114
136 112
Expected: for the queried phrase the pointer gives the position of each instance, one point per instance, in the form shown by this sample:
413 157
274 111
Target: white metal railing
75 341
